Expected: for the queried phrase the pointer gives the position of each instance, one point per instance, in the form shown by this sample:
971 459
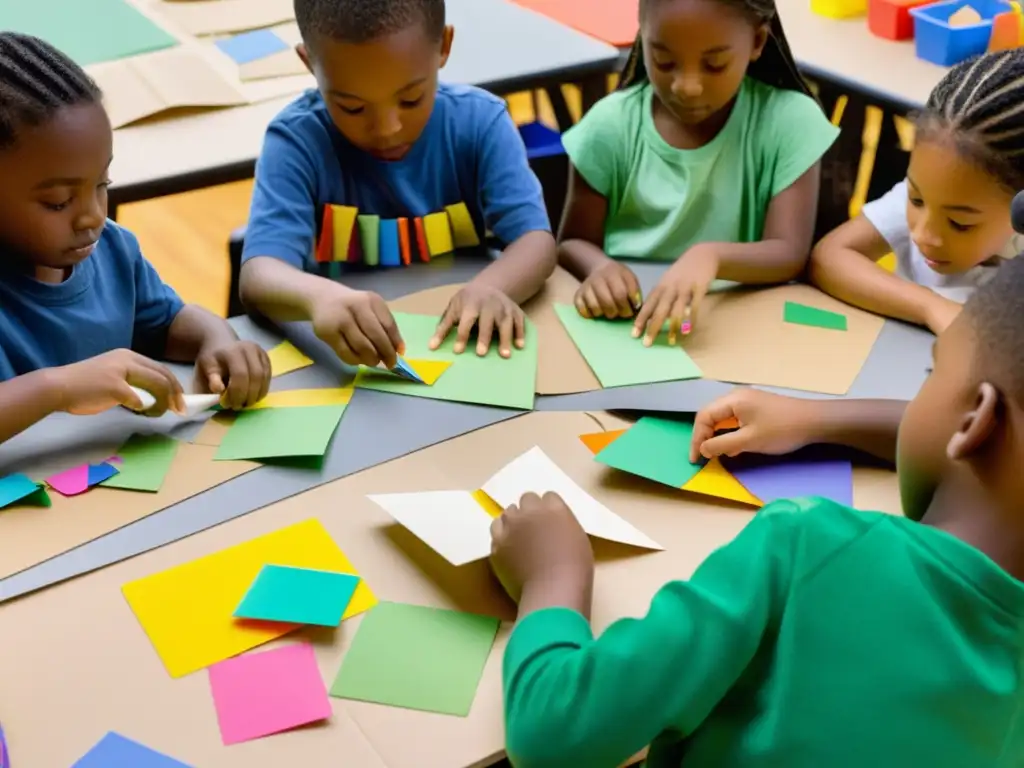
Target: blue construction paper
298 596
15 488
115 751
252 46
402 369
788 478
390 254
100 472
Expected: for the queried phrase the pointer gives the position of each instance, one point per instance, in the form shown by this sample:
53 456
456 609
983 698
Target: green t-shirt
821 637
662 200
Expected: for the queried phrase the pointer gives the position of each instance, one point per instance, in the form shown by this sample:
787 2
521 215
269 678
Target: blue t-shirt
114 299
466 175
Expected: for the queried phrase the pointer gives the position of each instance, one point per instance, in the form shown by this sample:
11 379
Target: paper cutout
416 657
598 441
801 314
488 380
731 423
344 227
390 250
715 480
421 240
770 478
252 46
619 360
116 751
403 240
186 611
325 248
369 234
657 449
268 692
298 596
487 504
286 357
274 433
20 488
402 368
451 523
145 462
429 371
535 472
76 480
304 398
439 234
463 228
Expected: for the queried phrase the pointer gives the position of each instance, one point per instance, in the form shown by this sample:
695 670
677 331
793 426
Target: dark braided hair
37 80
360 21
776 67
979 105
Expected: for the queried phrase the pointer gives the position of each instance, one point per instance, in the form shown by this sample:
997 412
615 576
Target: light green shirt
821 637
662 200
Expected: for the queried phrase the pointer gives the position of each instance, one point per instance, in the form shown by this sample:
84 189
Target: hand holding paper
193 404
491 312
114 378
237 372
678 296
768 424
358 326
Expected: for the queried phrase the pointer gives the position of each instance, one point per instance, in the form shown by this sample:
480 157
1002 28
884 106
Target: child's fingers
258 383
636 297
605 298
362 348
675 317
696 300
658 318
506 329
519 328
707 419
444 327
466 323
643 317
727 444
381 348
621 294
484 331
387 322
591 302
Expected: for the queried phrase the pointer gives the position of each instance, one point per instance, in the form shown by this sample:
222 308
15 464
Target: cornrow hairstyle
37 80
776 67
979 104
361 21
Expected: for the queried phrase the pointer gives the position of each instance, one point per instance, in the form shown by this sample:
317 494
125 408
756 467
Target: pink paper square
268 692
70 482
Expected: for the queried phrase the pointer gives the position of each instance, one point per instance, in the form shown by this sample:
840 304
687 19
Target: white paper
535 472
194 404
451 523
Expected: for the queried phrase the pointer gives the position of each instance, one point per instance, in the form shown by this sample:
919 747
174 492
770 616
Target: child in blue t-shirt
382 166
708 156
79 305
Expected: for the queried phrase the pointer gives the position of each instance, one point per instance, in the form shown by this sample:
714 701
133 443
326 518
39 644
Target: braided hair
979 105
776 67
37 80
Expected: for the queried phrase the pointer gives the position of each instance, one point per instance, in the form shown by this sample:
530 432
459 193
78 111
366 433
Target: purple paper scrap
787 479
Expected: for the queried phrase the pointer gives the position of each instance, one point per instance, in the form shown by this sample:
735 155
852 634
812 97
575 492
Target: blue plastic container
939 43
550 164
541 141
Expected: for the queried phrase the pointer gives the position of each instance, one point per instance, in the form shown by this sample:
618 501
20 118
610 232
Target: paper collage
298 596
116 751
416 657
188 611
76 480
21 490
489 380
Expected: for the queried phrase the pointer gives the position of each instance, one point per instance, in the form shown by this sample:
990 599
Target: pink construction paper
70 482
268 692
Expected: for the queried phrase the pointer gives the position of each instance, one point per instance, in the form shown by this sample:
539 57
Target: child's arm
775 424
844 265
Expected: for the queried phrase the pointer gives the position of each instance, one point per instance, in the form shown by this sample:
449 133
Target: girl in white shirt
948 223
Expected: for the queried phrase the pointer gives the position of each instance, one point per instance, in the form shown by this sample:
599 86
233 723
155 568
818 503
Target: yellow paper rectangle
429 370
462 226
285 358
187 611
301 398
439 234
344 217
487 504
715 480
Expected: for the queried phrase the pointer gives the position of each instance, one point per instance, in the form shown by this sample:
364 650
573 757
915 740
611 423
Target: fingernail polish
685 327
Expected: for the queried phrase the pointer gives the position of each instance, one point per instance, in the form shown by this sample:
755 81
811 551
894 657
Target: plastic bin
891 19
550 164
937 42
839 9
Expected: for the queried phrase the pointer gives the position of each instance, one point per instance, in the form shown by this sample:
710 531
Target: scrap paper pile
659 449
456 524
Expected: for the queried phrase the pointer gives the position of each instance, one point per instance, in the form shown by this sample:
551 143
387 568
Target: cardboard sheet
741 337
30 535
147 85
218 17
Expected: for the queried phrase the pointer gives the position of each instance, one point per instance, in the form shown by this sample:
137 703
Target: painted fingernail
638 300
685 327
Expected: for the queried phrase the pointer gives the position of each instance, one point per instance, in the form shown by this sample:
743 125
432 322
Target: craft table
498 46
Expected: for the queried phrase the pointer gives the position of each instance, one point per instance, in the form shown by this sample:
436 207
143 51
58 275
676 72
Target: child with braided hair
948 222
708 156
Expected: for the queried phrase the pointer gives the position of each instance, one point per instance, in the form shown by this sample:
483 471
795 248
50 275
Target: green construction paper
801 314
619 360
145 462
488 380
369 238
298 596
272 433
415 657
657 449
88 31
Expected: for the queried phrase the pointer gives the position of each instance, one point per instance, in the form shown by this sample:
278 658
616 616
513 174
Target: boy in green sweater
821 637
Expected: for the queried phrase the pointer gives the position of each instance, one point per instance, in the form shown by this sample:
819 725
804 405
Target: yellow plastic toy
839 9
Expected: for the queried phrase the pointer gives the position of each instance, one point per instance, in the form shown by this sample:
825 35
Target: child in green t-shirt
707 155
820 636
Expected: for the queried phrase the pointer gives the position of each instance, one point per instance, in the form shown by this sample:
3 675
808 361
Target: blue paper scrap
115 751
403 369
15 488
252 46
98 473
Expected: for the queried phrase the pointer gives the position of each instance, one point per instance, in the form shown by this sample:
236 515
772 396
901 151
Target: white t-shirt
888 214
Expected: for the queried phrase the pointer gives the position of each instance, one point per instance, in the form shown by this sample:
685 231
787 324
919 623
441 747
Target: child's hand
771 424
940 313
104 382
239 372
610 291
358 326
678 296
540 542
490 311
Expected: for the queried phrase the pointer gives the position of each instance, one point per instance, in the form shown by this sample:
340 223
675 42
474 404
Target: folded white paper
194 404
451 523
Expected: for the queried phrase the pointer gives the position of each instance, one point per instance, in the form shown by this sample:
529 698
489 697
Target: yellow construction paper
462 226
187 610
439 234
285 358
715 480
429 370
489 505
300 398
344 217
